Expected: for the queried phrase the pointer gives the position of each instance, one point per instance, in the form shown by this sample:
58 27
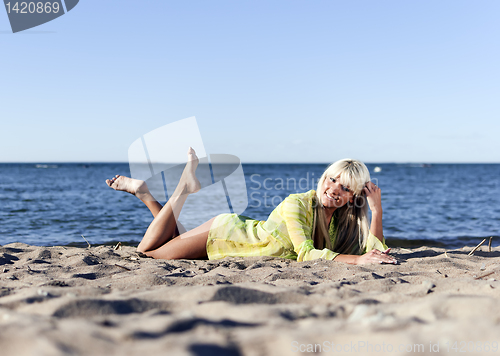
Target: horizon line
249 162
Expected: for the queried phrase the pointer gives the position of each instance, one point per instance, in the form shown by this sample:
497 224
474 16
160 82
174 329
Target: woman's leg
190 245
164 225
136 187
140 189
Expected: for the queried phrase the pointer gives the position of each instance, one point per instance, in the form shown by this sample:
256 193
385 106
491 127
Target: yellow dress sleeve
296 217
373 243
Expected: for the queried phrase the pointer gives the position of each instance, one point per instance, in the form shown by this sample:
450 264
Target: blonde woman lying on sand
329 223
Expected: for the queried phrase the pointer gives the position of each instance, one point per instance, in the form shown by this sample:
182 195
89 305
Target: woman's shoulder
306 198
301 203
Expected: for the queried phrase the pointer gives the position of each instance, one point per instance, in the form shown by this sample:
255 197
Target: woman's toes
110 182
192 155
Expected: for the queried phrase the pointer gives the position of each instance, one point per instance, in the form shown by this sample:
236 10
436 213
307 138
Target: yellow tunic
286 233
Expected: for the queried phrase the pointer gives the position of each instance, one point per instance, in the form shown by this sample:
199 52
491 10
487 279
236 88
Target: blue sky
268 81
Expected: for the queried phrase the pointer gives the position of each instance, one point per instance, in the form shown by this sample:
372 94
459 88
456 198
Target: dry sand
101 301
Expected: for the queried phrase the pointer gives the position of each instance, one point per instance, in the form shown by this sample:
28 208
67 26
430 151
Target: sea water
449 205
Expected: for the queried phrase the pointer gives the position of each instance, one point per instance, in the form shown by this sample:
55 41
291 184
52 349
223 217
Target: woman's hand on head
376 256
374 197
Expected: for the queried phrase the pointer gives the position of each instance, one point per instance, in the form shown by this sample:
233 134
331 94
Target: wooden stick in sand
489 244
86 241
125 268
475 248
485 275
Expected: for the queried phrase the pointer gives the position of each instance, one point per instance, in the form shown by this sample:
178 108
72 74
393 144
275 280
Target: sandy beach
102 301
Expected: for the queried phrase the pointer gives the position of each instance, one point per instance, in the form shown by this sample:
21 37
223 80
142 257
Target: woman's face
335 195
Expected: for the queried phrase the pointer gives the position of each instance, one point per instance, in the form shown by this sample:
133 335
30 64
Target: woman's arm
373 256
373 195
298 219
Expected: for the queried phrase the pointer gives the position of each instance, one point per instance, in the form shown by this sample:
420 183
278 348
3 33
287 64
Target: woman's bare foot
135 187
188 183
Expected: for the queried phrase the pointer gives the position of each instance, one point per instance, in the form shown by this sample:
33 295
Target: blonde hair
352 218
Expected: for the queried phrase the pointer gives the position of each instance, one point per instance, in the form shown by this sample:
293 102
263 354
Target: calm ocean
448 205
